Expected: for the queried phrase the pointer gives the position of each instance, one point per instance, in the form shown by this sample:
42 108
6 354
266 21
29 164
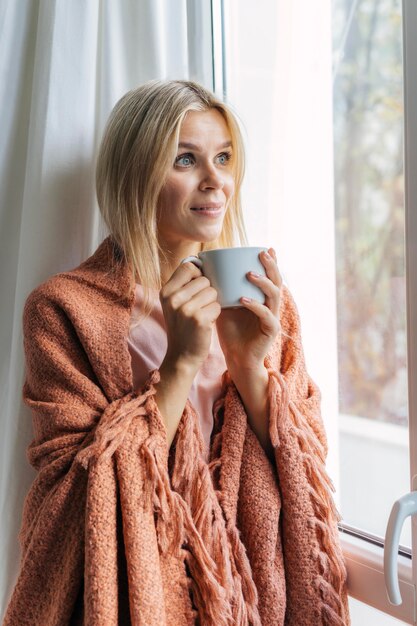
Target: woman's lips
207 212
208 209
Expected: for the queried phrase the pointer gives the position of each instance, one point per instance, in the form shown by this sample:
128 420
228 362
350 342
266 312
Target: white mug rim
234 248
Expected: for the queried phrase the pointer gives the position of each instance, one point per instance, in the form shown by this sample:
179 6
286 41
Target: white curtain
63 65
281 84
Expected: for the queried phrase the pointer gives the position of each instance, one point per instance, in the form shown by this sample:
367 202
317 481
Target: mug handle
194 259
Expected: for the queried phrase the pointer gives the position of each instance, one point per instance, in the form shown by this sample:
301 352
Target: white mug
226 269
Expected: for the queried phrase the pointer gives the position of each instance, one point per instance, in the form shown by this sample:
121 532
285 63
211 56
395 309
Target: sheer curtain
279 77
63 65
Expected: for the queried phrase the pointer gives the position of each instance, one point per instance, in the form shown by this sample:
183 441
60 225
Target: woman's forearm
172 392
174 387
253 389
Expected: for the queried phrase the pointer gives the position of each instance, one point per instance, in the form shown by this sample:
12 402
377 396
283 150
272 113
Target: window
319 87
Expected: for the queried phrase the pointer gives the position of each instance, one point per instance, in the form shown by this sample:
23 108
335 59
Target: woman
180 448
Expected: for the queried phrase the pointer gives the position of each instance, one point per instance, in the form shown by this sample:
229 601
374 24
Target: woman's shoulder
96 282
55 292
49 308
51 290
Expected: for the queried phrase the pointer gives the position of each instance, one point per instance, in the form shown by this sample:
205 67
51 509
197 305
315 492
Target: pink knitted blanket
119 529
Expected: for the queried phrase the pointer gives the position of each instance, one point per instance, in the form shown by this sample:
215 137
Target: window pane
370 259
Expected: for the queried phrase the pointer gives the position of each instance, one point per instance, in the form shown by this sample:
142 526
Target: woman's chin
208 235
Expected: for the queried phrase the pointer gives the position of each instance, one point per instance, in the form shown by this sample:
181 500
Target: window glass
319 89
370 259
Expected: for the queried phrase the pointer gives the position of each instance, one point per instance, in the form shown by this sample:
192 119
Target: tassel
211 583
114 423
221 551
247 594
328 595
307 438
279 400
319 489
158 494
330 617
232 571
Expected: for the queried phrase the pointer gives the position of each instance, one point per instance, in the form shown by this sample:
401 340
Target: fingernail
267 255
255 274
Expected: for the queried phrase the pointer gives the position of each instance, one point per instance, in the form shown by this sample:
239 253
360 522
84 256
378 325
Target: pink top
147 346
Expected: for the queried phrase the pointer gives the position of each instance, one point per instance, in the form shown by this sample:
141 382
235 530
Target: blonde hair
137 151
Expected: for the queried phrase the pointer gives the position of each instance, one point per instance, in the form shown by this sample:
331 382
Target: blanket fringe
234 561
192 477
331 618
332 571
114 423
333 602
209 595
247 612
278 405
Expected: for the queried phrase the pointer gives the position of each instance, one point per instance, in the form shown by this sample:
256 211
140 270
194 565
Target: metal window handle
401 509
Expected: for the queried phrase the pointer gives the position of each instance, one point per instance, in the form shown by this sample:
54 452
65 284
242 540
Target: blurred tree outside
369 205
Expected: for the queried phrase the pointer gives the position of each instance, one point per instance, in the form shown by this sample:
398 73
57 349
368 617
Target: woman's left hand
246 334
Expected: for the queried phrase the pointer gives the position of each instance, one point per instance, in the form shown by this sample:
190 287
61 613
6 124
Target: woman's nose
212 179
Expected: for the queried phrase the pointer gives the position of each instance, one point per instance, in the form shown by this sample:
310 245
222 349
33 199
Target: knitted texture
119 529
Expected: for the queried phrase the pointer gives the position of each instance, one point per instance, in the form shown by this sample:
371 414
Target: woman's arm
172 392
190 308
253 390
72 503
246 336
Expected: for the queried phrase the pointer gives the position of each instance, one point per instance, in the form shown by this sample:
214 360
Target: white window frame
218 38
363 557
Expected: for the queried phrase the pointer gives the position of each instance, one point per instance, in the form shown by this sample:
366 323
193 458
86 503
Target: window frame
365 559
410 167
219 86
365 569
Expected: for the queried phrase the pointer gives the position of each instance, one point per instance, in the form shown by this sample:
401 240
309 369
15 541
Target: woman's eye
184 160
224 157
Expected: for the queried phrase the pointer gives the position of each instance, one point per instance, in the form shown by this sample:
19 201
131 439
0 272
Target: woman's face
200 177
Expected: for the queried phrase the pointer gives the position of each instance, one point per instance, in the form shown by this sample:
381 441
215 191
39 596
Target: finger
199 301
263 282
182 275
271 290
212 311
269 322
269 261
187 292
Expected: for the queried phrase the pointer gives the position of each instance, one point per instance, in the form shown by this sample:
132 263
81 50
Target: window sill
365 569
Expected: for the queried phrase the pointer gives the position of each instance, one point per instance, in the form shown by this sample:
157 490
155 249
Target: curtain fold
63 66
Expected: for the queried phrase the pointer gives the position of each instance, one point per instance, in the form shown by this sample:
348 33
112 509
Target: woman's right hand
190 307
